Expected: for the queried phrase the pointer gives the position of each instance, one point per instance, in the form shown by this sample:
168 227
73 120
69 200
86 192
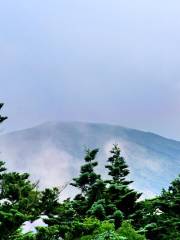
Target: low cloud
54 167
51 167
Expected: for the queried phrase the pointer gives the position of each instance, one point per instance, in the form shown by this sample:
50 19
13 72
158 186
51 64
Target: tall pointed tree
87 175
121 197
89 183
118 169
67 219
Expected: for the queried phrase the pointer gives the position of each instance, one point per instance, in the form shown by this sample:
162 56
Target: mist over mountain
53 152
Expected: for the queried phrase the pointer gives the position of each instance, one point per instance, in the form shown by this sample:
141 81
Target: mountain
53 152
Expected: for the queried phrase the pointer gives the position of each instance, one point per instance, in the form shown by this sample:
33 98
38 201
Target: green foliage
108 235
118 218
100 229
106 231
100 202
98 212
62 217
18 235
117 166
159 217
49 200
87 175
20 201
119 194
92 188
126 230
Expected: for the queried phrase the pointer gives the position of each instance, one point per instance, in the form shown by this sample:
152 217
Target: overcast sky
91 60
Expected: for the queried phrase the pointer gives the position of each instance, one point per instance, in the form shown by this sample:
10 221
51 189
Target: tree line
103 209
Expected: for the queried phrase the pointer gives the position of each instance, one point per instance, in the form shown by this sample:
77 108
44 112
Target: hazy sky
91 60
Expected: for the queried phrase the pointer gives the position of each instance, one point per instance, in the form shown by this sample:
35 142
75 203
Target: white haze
51 166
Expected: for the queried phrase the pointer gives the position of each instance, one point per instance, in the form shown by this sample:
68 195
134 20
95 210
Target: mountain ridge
91 123
56 149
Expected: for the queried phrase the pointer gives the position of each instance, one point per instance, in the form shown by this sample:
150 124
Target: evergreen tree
90 184
97 211
160 216
20 200
118 169
168 204
66 220
120 197
87 175
61 219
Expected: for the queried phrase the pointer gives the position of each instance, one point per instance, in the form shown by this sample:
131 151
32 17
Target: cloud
54 166
50 166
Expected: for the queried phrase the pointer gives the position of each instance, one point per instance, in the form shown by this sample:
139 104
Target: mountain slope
53 152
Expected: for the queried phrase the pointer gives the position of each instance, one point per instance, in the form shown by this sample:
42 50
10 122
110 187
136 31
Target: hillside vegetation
104 208
56 149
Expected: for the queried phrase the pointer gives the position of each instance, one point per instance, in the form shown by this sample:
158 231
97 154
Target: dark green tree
160 216
117 167
67 220
87 175
89 183
97 211
121 199
20 200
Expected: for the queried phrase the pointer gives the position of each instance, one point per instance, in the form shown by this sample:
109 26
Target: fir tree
120 196
118 169
159 217
67 219
167 211
90 184
20 200
87 175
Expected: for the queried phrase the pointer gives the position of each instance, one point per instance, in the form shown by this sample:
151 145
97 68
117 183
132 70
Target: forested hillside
57 149
105 208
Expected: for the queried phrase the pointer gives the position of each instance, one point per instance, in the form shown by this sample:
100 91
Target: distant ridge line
91 123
